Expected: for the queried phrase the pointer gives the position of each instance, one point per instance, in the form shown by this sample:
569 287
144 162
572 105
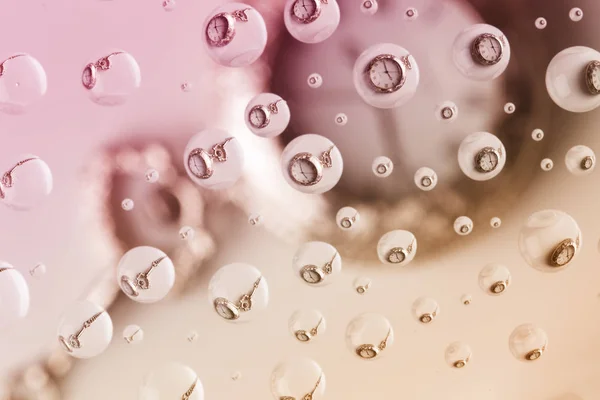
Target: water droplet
137 283
494 279
187 87
446 111
236 375
298 375
38 271
580 160
397 247
481 156
382 167
14 295
547 164
463 225
528 342
362 285
168 5
112 78
369 7
495 222
317 263
133 334
152 176
255 219
171 381
576 14
341 119
458 355
127 204
537 134
466 299
425 179
307 325
347 218
192 336
187 233
23 82
26 183
315 80
411 14
425 310
92 343
509 108
369 336
541 23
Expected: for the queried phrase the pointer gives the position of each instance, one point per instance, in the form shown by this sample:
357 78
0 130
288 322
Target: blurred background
98 156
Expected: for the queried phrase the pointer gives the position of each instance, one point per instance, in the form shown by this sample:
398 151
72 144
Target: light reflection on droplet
127 204
576 14
315 80
541 23
14 295
547 164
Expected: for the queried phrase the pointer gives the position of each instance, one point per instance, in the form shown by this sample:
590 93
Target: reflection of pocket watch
487 159
487 49
307 11
142 280
307 170
220 30
499 287
387 73
90 71
200 161
260 116
74 340
369 351
535 354
307 396
461 363
564 252
306 336
592 77
587 163
231 311
428 317
396 255
313 274
348 222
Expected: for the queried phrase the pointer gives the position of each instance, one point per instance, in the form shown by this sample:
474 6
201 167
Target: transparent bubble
494 279
38 271
382 167
307 325
238 292
397 247
14 295
347 218
96 330
550 240
315 80
369 7
425 310
187 233
481 156
369 335
547 164
495 222
411 14
267 115
571 79
341 119
541 23
458 355
362 284
528 342
169 5
446 111
317 263
26 182
537 134
463 225
580 160
133 334
187 87
171 381
145 274
466 299
111 78
298 378
236 375
127 204
192 336
22 82
576 14
509 108
425 179
255 219
152 175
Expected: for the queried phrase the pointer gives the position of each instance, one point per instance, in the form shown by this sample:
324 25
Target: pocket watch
387 72
499 287
313 274
74 340
90 72
369 351
307 11
587 162
220 30
535 354
260 115
141 281
564 252
428 317
307 170
200 161
362 289
231 311
461 363
307 396
348 222
397 255
306 336
487 49
487 159
592 77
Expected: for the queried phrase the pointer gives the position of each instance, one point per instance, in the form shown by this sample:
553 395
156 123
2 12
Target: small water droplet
466 299
236 375
152 176
463 225
127 204
509 108
576 14
541 23
255 219
315 80
495 222
168 5
186 233
38 271
537 134
547 164
192 336
369 7
341 119
411 14
186 87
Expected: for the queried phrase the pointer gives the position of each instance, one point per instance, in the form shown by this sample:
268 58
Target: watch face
426 181
486 160
426 318
534 354
382 169
447 113
386 73
306 11
200 164
305 169
460 364
258 117
587 163
303 336
563 253
397 255
346 223
226 309
88 78
367 351
487 49
311 274
592 77
219 30
498 287
128 286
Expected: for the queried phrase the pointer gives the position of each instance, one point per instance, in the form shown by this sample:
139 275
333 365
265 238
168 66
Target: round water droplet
192 336
382 167
341 119
186 87
347 218
509 108
547 164
411 14
26 182
255 219
550 240
172 381
446 111
425 310
362 284
369 336
495 222
541 23
145 274
22 82
315 80
528 342
576 14
458 355
481 156
169 5
38 271
397 248
236 375
369 7
133 334
463 225
296 378
152 176
187 233
94 339
494 279
267 115
425 179
14 295
580 160
537 134
307 325
238 292
466 299
317 263
127 204
112 78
